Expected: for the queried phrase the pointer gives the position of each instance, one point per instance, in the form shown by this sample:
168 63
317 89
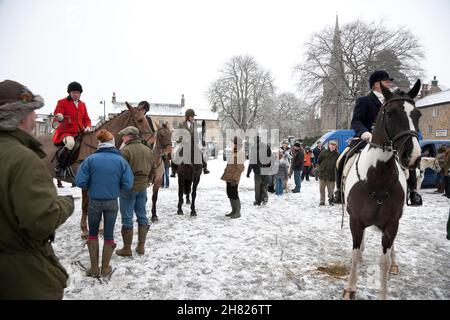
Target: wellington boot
142 235
127 236
94 270
108 249
236 204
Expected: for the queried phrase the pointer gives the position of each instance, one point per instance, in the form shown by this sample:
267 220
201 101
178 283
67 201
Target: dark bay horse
162 144
375 189
130 117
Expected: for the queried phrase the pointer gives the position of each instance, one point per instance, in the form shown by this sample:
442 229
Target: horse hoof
154 218
193 213
349 295
394 270
180 212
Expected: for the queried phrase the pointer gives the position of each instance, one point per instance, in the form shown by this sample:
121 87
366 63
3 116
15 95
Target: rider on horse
189 124
364 116
73 119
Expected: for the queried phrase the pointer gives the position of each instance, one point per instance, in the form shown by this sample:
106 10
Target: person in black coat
364 116
255 165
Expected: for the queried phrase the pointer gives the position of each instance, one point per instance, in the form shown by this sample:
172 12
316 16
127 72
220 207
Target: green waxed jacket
30 212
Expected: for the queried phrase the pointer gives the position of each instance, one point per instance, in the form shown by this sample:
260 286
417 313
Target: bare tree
363 48
242 88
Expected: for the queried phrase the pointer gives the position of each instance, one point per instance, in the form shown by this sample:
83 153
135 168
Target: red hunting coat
75 119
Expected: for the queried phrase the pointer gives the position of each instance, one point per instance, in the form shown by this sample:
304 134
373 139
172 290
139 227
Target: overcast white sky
157 50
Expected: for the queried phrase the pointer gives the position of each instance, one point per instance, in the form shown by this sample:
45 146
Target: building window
175 124
161 122
435 113
430 129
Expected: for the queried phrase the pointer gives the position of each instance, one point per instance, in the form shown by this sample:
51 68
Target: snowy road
271 252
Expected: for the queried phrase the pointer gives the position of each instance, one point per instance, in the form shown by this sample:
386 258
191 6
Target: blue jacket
365 113
104 174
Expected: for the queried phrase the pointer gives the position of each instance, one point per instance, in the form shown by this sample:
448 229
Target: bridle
389 146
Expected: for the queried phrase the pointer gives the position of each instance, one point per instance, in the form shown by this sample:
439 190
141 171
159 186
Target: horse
189 175
88 145
163 144
375 188
426 163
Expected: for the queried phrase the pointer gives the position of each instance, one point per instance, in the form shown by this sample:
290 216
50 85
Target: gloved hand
88 129
59 116
367 136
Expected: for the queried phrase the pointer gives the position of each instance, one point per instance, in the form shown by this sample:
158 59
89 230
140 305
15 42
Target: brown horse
88 145
162 145
375 188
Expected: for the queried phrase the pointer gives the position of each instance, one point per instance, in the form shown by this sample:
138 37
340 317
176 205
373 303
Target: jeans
279 186
298 180
106 208
132 201
166 180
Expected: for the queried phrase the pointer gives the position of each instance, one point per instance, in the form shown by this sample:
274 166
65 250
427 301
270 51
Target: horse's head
164 138
137 119
398 125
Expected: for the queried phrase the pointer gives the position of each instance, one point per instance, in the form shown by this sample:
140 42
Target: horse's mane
101 123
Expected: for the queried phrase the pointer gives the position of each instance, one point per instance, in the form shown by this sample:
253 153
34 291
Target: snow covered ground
271 252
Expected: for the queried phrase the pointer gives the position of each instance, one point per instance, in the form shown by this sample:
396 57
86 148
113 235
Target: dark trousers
261 188
232 191
305 173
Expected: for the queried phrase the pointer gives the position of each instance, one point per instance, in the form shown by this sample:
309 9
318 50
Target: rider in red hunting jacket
73 119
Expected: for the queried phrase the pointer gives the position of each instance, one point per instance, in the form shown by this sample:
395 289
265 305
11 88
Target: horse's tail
187 186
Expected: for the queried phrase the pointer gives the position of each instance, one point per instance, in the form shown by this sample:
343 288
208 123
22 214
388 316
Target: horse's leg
394 266
84 209
357 235
180 193
363 244
194 195
154 200
387 241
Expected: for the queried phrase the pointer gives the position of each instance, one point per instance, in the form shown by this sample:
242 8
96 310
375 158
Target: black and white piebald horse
375 188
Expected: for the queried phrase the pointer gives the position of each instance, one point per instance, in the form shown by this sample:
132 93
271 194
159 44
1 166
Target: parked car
342 137
212 149
432 146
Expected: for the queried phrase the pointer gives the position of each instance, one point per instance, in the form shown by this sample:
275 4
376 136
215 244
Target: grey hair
13 113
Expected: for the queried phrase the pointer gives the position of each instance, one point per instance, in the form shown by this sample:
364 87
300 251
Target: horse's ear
129 106
386 92
415 90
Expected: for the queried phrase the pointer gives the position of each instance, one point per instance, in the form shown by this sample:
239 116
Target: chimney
434 82
113 98
182 100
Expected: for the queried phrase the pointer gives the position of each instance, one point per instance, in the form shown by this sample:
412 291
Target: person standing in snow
261 181
297 166
327 166
306 164
30 209
232 176
316 153
281 175
143 166
104 174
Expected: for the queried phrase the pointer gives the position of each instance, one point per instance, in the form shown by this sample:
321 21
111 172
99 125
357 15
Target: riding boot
94 270
142 235
205 166
108 249
174 170
232 208
414 197
62 162
127 236
236 203
338 196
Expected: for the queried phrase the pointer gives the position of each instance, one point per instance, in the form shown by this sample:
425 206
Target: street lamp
103 102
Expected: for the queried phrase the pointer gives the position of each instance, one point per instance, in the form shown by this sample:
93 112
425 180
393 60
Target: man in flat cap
143 165
30 209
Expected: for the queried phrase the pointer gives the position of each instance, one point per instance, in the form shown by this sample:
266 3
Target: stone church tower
332 111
